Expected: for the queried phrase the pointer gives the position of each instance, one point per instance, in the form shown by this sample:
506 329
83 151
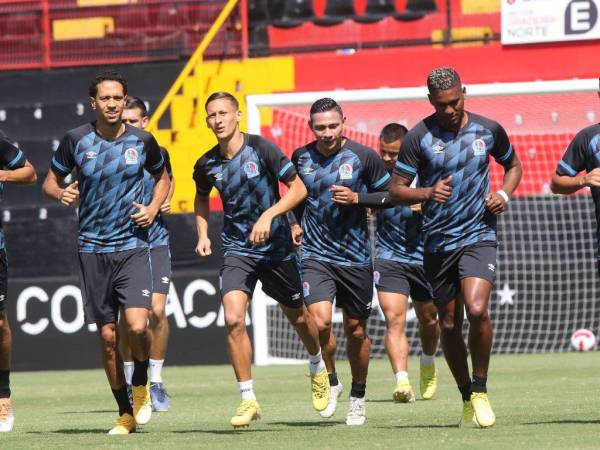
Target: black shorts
350 286
113 280
160 262
401 278
280 279
3 280
444 271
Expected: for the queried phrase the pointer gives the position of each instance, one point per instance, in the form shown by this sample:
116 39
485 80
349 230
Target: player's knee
429 321
447 324
137 328
108 335
157 314
478 312
234 322
357 332
322 324
3 320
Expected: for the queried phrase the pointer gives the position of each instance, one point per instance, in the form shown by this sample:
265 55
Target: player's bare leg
307 330
125 350
429 332
394 307
358 349
159 332
235 306
476 292
6 416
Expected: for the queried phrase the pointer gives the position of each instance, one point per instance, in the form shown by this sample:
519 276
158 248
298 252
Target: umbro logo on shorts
492 267
146 293
165 280
296 296
2 297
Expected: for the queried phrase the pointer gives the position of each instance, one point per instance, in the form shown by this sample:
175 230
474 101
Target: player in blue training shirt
110 158
136 115
336 252
14 169
449 152
399 273
246 170
583 154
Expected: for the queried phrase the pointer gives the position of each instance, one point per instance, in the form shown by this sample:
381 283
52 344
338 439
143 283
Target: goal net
547 284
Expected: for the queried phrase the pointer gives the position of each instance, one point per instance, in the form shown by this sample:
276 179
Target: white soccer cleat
334 394
7 420
356 411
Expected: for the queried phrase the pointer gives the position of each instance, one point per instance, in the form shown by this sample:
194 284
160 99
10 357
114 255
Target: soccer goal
547 284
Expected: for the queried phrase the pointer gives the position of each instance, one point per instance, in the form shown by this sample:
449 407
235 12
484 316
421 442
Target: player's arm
202 207
345 196
156 166
16 168
505 155
566 179
165 208
61 165
22 175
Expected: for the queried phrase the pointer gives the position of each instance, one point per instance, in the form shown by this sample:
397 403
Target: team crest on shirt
479 147
251 169
306 288
345 171
131 156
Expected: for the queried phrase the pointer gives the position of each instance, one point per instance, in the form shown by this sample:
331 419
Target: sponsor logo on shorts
91 155
376 276
251 169
165 280
146 293
131 156
306 288
345 171
479 147
492 267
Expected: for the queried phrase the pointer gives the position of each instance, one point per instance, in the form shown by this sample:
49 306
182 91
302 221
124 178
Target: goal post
547 284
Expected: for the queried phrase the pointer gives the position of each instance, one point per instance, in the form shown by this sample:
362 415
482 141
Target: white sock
402 375
247 390
156 370
427 360
128 366
316 363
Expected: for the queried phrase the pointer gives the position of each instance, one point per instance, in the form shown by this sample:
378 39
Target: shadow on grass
73 431
565 422
391 400
427 426
223 432
97 411
308 424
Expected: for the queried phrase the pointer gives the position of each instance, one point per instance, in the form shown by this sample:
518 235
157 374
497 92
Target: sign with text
532 21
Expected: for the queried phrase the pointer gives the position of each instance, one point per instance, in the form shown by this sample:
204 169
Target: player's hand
203 247
261 230
495 203
70 194
145 215
441 191
343 195
165 208
416 208
592 179
297 233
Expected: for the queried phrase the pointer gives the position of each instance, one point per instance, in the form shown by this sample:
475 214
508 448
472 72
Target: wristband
504 195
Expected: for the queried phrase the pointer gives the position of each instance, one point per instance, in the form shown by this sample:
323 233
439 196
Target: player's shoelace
246 406
4 411
160 392
356 408
320 387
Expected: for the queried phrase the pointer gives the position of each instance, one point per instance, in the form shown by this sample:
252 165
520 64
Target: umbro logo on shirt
308 170
91 155
146 293
218 176
437 148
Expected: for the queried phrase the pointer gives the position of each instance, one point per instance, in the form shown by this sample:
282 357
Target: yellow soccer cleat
142 404
7 420
248 411
319 384
468 415
428 379
484 415
125 425
404 392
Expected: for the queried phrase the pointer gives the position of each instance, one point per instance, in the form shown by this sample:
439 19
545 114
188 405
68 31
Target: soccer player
14 169
449 152
336 253
583 154
136 115
110 158
246 169
399 273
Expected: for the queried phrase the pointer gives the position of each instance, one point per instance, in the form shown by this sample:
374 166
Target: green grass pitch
541 401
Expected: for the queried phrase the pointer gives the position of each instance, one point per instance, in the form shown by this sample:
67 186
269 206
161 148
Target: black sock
140 373
479 384
465 391
5 383
123 401
333 381
358 389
